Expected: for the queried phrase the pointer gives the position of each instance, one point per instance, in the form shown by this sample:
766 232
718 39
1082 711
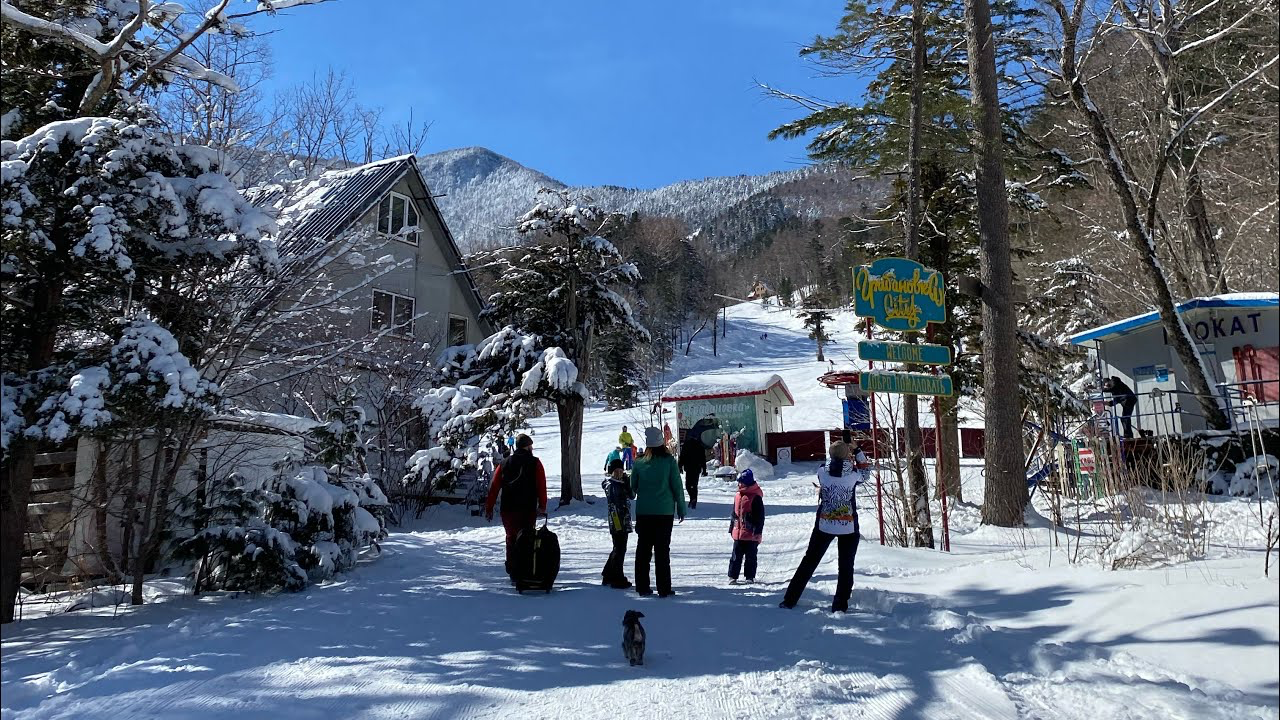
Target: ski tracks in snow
431 630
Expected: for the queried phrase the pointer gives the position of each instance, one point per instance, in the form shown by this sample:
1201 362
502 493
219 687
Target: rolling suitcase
537 559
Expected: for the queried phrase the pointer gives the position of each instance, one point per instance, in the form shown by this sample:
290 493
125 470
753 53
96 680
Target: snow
1002 627
722 383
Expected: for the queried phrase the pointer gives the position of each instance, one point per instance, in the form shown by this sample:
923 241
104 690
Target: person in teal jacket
615 454
655 480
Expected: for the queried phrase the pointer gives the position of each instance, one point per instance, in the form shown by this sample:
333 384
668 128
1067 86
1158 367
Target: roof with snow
1120 327
317 211
720 385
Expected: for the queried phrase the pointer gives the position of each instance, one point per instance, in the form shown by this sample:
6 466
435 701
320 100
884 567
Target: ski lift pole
875 446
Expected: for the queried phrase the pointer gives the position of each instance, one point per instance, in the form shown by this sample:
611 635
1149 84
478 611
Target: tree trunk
948 465
1140 234
1005 496
569 412
922 521
15 476
144 529
1215 279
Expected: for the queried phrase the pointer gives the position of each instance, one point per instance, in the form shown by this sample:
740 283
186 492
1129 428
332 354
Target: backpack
519 487
755 518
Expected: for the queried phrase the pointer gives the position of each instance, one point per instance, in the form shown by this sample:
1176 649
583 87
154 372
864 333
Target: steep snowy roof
717 385
1241 299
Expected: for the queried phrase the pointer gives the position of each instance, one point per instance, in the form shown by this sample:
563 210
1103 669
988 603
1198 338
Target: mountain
481 193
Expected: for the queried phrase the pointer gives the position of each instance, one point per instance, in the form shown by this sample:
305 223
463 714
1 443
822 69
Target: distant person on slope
618 494
522 482
655 480
1122 395
746 526
693 461
628 445
837 520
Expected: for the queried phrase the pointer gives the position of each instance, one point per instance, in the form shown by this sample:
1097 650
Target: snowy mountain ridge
481 192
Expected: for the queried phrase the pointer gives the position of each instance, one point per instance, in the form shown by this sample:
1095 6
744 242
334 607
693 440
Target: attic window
398 218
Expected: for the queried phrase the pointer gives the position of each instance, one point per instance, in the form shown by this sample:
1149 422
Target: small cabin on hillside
749 404
1238 338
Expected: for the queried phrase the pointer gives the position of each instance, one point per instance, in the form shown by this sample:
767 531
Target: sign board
900 352
899 294
1159 372
905 383
733 413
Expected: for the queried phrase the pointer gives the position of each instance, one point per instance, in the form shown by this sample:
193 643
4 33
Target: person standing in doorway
521 482
655 481
837 520
1122 395
628 445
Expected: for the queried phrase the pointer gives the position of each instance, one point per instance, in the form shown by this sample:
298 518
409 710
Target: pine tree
561 290
815 320
621 373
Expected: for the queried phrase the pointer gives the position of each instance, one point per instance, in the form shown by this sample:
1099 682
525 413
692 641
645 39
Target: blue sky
597 92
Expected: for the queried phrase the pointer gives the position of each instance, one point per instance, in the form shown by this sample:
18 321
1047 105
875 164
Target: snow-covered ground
1002 627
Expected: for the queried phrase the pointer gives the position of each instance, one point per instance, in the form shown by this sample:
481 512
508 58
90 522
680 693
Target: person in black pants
693 461
1122 395
655 480
837 520
617 492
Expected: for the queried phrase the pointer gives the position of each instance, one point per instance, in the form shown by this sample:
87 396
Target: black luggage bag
536 559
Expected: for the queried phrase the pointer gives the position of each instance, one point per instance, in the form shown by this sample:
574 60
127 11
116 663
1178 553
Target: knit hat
523 441
747 478
652 437
839 450
616 464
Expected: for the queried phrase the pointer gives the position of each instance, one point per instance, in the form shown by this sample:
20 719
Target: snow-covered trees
101 217
561 288
1177 43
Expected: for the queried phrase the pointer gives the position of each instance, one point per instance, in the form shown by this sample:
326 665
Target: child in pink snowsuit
746 526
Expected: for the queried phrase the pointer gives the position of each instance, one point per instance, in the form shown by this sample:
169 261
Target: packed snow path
432 630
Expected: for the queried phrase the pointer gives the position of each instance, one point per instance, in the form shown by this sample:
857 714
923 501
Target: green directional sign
900 352
904 383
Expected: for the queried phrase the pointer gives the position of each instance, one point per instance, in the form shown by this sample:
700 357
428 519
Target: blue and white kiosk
1237 335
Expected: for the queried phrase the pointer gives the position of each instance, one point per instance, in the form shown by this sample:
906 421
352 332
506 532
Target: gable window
398 218
392 312
457 330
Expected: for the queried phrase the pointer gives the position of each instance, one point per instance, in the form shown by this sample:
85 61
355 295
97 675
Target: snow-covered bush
759 467
234 547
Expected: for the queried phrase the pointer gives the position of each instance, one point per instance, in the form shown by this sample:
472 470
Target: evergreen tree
815 320
622 377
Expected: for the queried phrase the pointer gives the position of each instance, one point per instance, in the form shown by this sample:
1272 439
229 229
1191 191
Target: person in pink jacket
746 527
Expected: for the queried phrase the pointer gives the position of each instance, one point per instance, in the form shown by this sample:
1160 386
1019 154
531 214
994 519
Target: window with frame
398 218
392 312
457 330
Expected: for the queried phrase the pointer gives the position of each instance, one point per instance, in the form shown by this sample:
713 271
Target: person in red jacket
522 482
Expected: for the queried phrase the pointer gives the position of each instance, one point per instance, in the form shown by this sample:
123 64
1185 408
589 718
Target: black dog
633 637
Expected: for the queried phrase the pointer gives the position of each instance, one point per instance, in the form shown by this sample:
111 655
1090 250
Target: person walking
614 454
837 520
693 461
522 483
655 481
618 494
746 526
628 445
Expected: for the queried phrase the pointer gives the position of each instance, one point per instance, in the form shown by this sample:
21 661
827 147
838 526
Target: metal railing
1162 413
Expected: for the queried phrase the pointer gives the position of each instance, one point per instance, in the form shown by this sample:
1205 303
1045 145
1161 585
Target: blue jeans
628 454
743 550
